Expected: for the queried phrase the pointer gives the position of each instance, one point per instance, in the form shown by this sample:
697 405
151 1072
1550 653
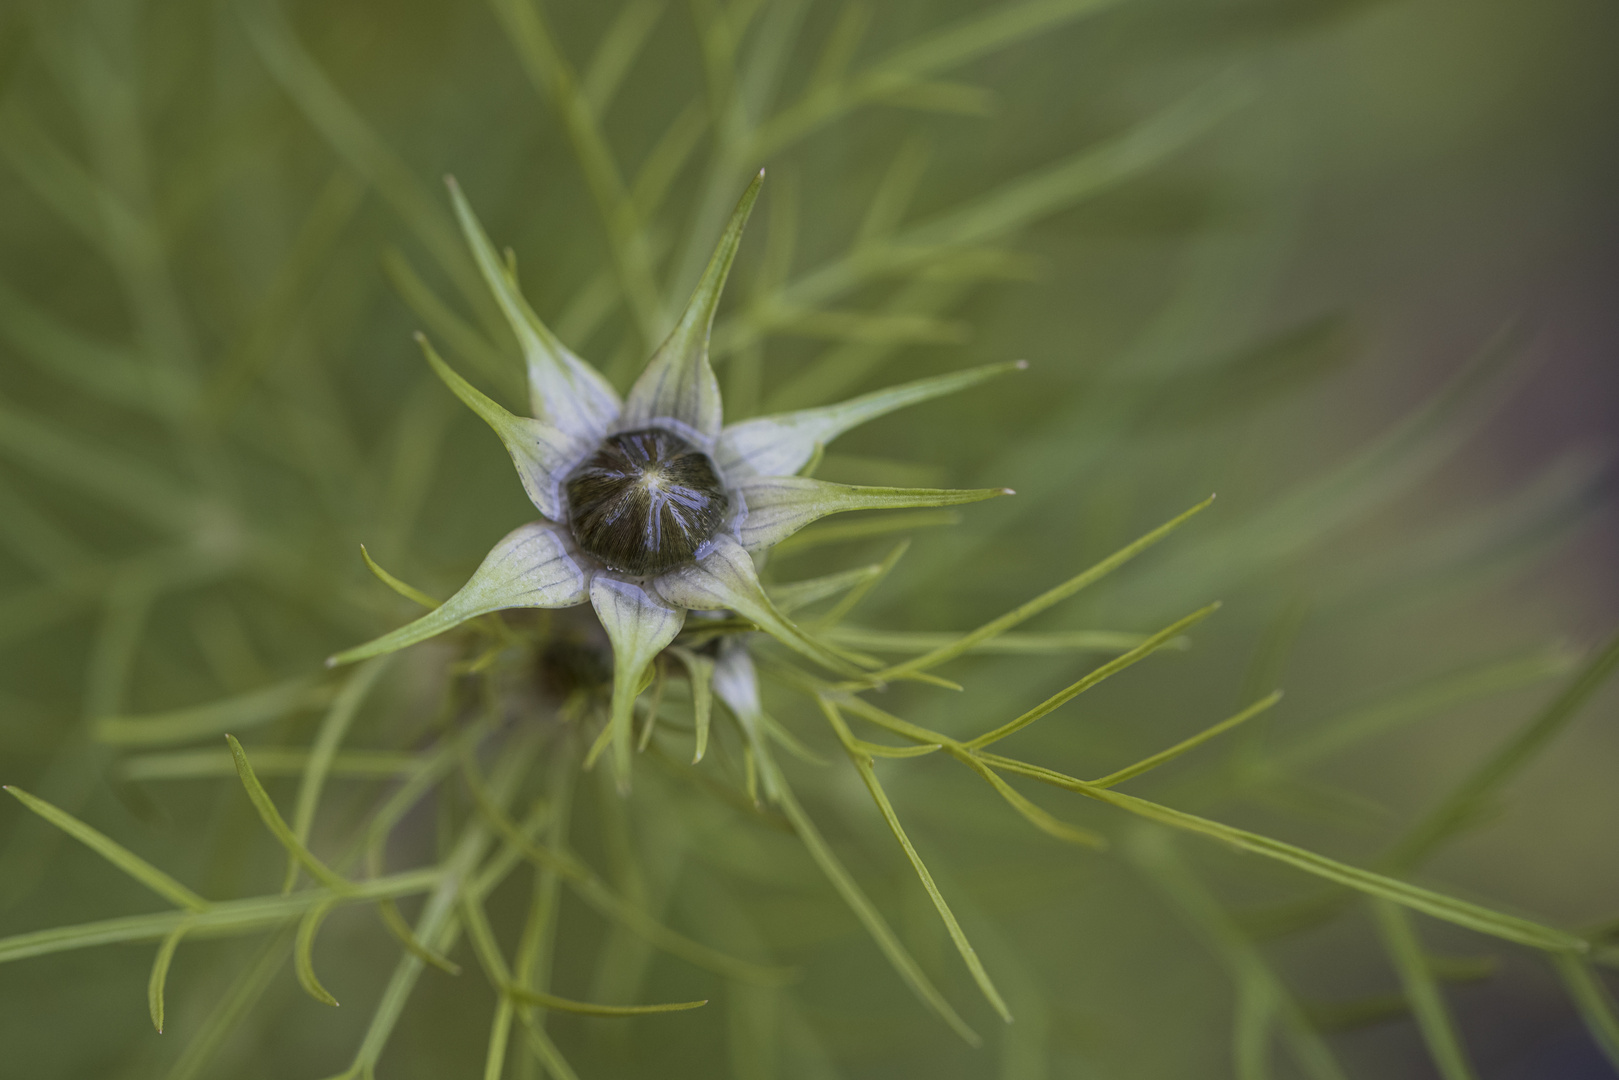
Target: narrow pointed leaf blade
868 775
334 726
1422 993
303 953
160 974
587 1008
678 383
779 506
700 671
278 825
1147 764
796 594
1439 905
1032 812
114 852
1014 644
408 591
639 625
903 963
1097 675
996 627
531 567
543 454
1593 1001
781 445
251 709
564 391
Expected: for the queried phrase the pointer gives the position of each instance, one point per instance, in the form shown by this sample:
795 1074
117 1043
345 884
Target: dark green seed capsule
645 502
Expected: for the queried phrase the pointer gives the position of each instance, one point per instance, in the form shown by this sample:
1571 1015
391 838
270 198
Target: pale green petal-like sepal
781 445
639 624
736 682
532 567
726 579
778 506
564 391
678 383
543 454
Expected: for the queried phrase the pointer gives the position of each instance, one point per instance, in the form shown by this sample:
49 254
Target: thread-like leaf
1036 815
1263 998
596 893
1112 667
958 936
224 918
1458 808
586 1008
1427 1005
700 673
303 952
1429 698
901 960
1013 643
328 738
996 627
347 132
409 592
1448 908
160 974
848 531
863 588
1593 1001
267 761
388 910
278 826
239 712
114 852
793 595
1152 762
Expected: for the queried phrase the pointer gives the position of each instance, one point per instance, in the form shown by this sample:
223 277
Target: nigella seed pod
649 528
645 502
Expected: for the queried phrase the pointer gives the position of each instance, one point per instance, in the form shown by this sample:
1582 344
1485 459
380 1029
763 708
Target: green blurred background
221 222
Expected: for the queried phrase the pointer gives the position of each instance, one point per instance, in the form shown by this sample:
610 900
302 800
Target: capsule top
645 502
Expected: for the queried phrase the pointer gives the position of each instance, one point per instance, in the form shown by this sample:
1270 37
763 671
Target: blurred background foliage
1348 263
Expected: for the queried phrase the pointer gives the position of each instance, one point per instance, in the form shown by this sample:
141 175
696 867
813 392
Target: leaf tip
1021 365
1007 491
